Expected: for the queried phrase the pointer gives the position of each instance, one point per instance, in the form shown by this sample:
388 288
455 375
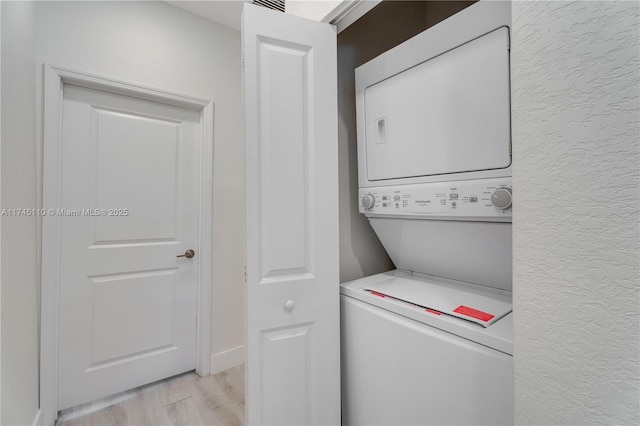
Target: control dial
368 201
501 198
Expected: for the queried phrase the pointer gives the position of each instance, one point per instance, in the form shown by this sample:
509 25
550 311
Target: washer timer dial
501 198
368 201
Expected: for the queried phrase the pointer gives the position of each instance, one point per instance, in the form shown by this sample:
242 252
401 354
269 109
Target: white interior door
293 354
129 187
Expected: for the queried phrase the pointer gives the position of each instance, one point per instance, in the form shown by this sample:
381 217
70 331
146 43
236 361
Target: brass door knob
188 254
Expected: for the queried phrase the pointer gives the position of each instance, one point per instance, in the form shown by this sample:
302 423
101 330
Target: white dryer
431 342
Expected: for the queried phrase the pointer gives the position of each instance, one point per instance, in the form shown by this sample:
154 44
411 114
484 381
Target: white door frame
54 78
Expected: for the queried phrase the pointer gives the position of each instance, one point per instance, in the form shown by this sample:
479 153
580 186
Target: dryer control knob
501 198
368 201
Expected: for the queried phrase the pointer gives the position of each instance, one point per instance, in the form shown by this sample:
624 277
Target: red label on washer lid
375 293
473 313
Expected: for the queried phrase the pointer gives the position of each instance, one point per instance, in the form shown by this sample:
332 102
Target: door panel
283 92
129 190
293 379
293 372
120 180
115 334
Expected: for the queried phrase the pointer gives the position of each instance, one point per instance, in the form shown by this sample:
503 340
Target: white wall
576 239
20 305
0 216
158 45
311 9
147 43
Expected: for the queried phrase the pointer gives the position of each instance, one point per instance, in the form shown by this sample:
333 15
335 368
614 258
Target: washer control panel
482 199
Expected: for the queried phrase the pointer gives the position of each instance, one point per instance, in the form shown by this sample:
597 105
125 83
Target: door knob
188 254
289 305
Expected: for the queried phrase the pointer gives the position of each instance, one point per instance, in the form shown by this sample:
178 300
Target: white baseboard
38 420
227 359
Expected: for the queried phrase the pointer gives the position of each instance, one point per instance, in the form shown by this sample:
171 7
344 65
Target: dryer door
449 114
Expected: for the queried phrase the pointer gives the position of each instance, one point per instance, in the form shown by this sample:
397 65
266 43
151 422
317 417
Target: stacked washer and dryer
431 342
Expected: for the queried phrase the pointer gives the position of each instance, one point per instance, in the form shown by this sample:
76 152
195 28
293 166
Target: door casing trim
54 79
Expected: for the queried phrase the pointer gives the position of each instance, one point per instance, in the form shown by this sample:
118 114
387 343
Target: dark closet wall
384 27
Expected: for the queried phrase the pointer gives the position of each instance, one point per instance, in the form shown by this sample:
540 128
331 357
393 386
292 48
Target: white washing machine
431 342
405 364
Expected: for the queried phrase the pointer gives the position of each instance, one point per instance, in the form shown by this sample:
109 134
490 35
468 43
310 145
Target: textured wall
576 158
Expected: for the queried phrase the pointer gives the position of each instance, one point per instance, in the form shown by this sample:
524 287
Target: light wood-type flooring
186 399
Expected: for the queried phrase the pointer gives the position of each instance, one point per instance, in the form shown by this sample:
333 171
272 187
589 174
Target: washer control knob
501 198
368 201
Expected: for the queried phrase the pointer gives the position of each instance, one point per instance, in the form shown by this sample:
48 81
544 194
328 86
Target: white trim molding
227 359
348 12
340 13
38 420
1 368
54 79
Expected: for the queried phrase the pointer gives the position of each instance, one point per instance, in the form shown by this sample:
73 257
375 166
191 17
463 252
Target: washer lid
468 302
471 252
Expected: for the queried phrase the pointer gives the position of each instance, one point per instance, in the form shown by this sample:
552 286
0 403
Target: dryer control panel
482 199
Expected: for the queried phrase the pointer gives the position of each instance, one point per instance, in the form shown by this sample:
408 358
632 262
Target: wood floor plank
177 388
184 413
114 415
146 410
232 389
213 400
186 399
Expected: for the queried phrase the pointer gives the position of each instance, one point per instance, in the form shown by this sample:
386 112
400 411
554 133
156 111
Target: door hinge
245 274
243 61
